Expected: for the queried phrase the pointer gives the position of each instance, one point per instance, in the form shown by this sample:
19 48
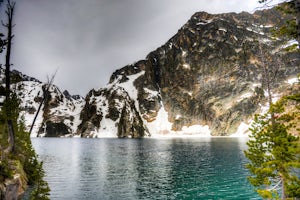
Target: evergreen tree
41 191
274 147
274 154
24 152
15 144
10 13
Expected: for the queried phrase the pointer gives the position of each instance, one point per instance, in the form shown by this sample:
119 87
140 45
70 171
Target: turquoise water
202 168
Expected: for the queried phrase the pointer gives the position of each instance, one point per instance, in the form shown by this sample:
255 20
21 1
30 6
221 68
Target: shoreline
157 136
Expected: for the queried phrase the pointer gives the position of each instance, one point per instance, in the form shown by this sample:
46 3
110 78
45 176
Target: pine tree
15 144
41 191
274 154
24 151
273 151
10 13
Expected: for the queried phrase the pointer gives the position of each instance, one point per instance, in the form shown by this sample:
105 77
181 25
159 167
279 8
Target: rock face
59 115
113 110
208 74
15 187
207 79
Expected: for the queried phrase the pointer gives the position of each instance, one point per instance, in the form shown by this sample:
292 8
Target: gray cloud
88 40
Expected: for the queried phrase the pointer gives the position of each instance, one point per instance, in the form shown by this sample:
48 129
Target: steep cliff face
113 110
208 77
14 187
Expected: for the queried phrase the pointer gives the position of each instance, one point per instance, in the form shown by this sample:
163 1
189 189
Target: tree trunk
268 87
37 113
11 135
41 103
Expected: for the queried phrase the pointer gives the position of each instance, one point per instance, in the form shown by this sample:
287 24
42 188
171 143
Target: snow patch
186 66
290 43
161 125
255 31
196 129
245 96
242 131
223 29
178 117
151 92
291 81
238 50
204 22
129 86
108 129
192 31
254 85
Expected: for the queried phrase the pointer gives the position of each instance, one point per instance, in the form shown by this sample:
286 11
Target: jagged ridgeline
206 79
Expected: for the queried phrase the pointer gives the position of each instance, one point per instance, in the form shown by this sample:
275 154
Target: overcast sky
87 40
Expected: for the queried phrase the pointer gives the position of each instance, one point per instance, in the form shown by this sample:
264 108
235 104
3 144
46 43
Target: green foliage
289 28
11 105
24 151
267 194
293 189
274 154
295 97
292 48
41 191
5 171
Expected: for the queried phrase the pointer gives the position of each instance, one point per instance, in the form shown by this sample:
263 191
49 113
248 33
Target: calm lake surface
195 168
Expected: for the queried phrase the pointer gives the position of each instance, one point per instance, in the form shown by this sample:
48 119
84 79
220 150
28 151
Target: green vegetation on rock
19 168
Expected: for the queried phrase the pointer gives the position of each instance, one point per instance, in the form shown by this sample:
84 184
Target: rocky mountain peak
207 75
74 97
60 112
205 80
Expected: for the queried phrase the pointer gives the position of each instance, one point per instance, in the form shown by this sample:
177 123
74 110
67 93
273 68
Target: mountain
59 115
206 80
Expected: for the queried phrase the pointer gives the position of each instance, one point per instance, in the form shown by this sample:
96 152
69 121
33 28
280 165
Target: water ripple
145 169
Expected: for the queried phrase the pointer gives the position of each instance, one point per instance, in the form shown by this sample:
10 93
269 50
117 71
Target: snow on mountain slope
59 114
113 110
206 80
30 93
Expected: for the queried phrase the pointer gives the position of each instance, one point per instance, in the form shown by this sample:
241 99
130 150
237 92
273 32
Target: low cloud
88 40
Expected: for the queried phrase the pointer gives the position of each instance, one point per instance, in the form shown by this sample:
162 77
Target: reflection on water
204 168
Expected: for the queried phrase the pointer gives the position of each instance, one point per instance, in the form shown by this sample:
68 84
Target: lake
181 168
